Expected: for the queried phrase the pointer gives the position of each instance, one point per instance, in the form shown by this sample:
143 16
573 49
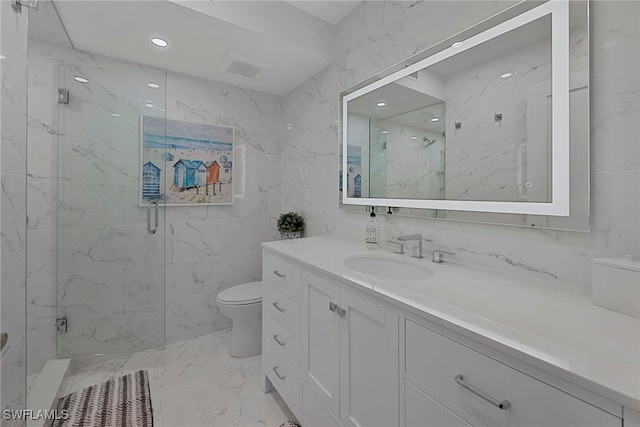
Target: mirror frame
559 205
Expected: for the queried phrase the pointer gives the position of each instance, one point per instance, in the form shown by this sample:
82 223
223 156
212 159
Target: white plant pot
287 236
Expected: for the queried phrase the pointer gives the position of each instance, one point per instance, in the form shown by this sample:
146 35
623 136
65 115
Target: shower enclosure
110 246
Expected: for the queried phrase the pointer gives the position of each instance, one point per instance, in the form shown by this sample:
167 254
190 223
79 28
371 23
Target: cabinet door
369 378
320 340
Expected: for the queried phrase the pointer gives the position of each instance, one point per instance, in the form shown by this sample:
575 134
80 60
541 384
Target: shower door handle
155 204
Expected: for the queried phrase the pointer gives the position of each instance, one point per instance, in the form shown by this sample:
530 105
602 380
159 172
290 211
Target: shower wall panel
13 138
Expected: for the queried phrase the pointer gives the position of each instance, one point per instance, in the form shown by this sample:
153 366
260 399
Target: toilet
243 305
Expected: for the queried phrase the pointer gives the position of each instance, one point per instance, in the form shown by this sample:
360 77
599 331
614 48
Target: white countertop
561 330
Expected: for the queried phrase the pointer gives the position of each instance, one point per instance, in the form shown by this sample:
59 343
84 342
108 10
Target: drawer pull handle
276 339
504 405
277 273
282 377
280 309
4 337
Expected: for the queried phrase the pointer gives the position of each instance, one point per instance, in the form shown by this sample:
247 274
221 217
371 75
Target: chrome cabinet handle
504 405
276 339
277 273
154 228
280 309
275 369
338 310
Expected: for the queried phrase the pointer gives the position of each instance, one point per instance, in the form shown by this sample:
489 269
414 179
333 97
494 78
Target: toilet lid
246 293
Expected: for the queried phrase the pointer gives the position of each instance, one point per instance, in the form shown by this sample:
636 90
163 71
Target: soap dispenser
372 238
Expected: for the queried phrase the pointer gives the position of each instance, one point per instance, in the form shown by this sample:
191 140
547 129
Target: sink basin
383 266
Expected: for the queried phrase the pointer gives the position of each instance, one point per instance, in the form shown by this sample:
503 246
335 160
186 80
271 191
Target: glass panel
110 267
13 129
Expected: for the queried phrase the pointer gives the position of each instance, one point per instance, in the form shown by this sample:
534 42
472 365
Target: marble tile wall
482 156
411 169
207 248
13 144
379 34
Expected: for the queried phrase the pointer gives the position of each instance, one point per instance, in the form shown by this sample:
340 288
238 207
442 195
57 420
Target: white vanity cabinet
349 357
282 283
342 355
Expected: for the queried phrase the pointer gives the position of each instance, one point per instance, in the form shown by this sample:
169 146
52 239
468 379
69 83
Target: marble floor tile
194 383
31 381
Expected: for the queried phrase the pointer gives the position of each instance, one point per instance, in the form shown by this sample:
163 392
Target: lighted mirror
493 122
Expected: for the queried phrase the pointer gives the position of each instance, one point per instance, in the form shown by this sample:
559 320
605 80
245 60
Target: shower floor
194 383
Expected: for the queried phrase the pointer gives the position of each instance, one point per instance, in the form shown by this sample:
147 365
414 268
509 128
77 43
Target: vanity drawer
284 275
436 361
283 379
282 342
282 308
419 407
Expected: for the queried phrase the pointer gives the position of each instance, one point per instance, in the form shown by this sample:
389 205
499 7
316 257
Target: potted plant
290 225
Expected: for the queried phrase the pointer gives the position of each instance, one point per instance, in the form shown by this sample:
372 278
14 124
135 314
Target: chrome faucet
417 237
438 256
400 246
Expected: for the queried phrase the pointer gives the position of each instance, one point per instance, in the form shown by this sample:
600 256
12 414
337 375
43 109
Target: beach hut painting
150 181
194 161
354 171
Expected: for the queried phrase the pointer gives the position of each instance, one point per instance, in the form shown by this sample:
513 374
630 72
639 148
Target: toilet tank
616 284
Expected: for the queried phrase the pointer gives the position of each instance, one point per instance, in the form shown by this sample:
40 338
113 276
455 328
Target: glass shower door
111 230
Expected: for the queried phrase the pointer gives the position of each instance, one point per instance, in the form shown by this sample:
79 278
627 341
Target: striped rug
119 402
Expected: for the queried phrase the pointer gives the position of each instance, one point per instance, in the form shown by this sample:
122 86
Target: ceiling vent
241 65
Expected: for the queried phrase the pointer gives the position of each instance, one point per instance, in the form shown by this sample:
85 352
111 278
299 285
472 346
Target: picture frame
184 163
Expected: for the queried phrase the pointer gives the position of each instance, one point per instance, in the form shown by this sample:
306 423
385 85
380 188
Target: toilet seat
246 293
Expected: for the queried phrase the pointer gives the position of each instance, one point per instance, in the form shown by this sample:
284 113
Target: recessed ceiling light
80 79
159 42
149 105
505 76
153 85
385 132
381 104
414 137
435 119
289 126
457 45
115 114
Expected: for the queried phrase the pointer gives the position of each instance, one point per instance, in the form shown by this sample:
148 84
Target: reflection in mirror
475 126
494 145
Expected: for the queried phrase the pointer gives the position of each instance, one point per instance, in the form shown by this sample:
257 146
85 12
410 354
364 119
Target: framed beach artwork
184 163
354 172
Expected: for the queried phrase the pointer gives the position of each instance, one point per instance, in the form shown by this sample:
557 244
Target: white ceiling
399 99
293 40
332 11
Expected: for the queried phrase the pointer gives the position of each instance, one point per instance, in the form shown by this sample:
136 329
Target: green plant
290 222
